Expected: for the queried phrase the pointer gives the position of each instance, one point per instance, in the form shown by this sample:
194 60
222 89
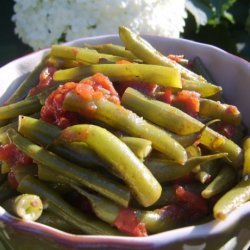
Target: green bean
26 206
161 75
6 191
246 143
5 167
207 171
140 147
25 107
31 81
204 89
177 121
123 161
246 157
3 132
62 63
51 219
43 133
106 186
21 172
144 51
224 112
62 209
83 55
165 170
221 183
127 121
154 221
232 199
113 49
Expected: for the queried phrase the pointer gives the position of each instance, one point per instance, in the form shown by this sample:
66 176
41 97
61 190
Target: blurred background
224 23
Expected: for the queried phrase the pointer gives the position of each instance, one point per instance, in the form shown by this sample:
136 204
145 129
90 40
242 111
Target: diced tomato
167 96
123 62
45 80
90 89
127 222
194 203
13 156
176 58
12 180
96 87
52 111
187 101
145 88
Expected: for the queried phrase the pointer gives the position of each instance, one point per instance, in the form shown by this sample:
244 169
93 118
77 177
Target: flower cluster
40 23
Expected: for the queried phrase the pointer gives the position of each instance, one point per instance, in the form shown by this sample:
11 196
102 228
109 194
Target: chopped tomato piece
52 111
13 156
195 203
176 58
45 80
12 180
145 88
127 222
167 96
123 62
188 101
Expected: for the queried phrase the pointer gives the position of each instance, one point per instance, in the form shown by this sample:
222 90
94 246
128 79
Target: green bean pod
140 147
27 106
165 170
224 180
161 75
207 171
62 63
111 149
217 110
51 219
6 191
130 123
246 157
43 133
62 209
179 122
113 49
93 180
204 89
148 54
31 81
235 197
154 221
26 206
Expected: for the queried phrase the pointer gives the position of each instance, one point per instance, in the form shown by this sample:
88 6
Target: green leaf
248 22
221 6
201 10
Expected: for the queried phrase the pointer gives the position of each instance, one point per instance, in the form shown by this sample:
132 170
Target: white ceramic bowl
229 71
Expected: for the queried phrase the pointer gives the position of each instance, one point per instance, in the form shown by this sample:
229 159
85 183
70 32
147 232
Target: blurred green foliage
223 23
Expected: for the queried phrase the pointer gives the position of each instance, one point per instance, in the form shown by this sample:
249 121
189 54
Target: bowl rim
208 229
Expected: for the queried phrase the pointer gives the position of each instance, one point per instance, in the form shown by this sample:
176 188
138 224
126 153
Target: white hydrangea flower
40 23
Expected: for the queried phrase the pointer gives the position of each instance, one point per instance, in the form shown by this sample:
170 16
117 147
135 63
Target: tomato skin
194 204
13 156
188 101
45 80
127 222
52 111
12 180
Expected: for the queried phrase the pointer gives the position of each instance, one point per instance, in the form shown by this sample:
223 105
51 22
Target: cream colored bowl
229 71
